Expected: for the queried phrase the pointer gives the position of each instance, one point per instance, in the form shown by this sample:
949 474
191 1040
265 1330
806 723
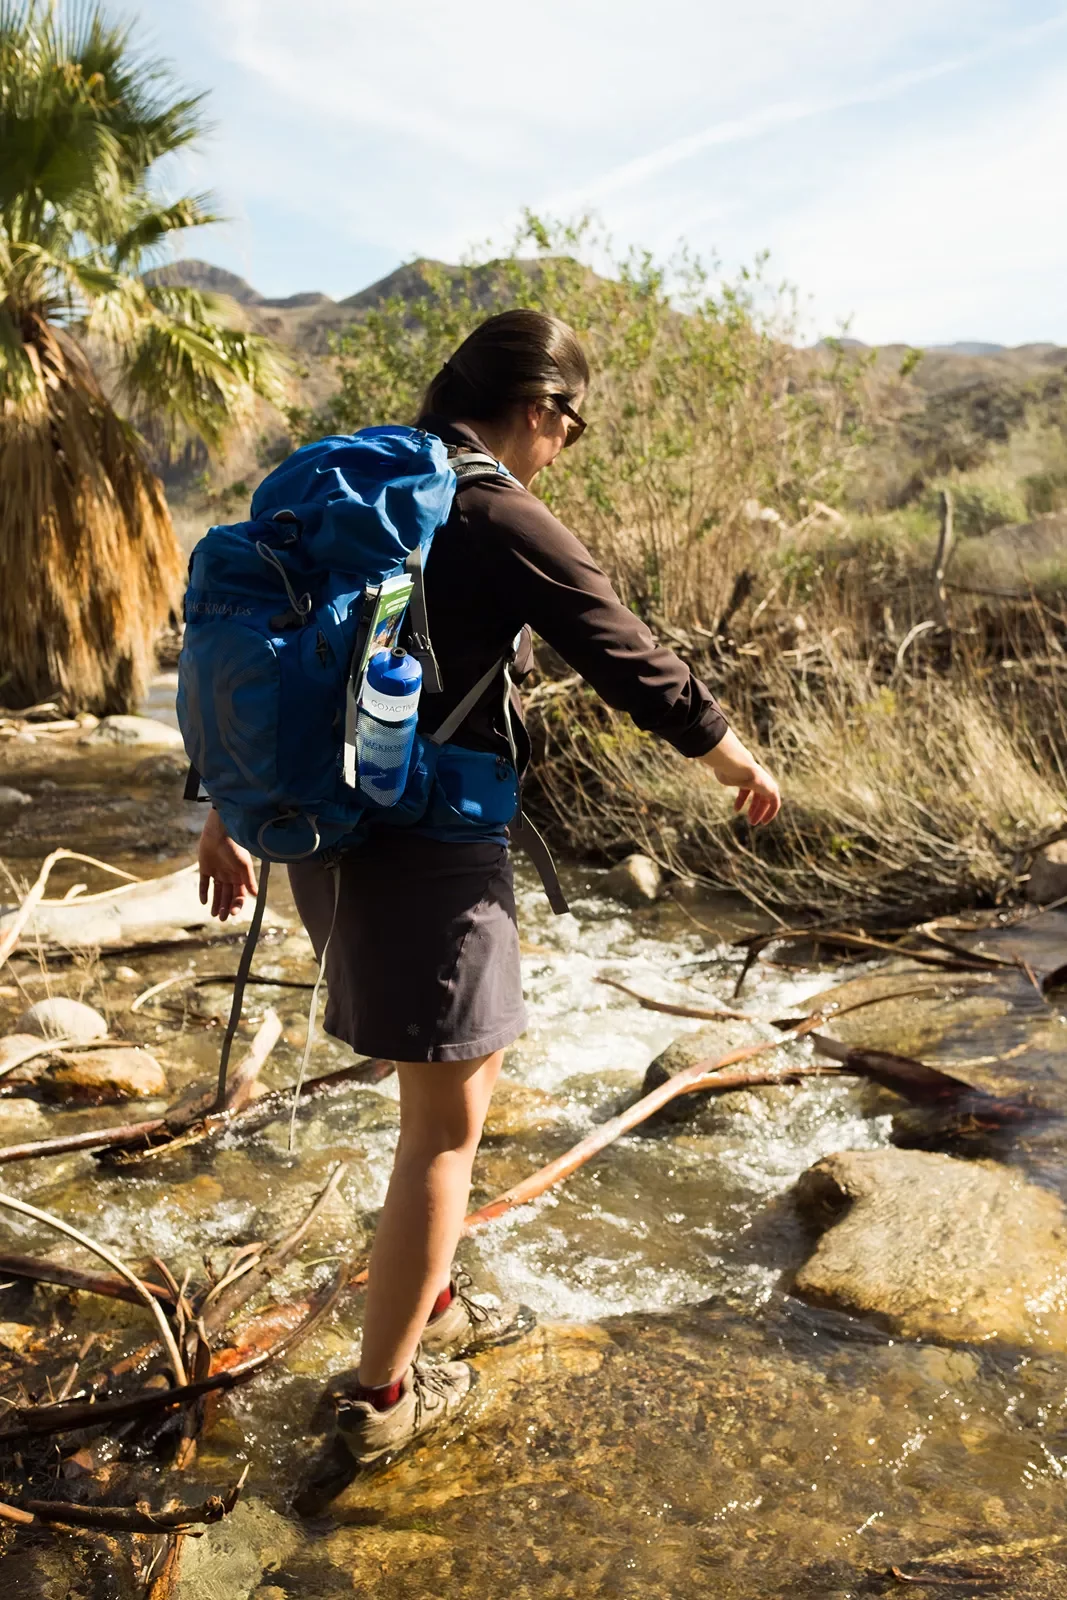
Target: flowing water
679 1425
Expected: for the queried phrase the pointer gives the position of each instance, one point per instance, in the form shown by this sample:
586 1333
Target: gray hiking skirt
423 964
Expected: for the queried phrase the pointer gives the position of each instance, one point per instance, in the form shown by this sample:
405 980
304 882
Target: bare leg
442 1109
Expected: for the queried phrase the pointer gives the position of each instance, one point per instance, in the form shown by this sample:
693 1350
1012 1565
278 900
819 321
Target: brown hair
512 358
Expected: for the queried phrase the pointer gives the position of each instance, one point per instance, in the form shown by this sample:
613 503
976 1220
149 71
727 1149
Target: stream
679 1424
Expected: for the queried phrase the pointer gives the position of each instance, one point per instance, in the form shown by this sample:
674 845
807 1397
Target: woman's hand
736 768
226 864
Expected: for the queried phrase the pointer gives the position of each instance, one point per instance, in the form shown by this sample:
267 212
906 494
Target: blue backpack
273 614
273 617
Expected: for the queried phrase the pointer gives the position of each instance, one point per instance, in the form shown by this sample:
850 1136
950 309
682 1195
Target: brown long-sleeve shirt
503 562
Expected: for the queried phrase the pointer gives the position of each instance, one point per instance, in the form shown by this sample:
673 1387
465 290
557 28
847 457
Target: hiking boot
429 1395
466 1326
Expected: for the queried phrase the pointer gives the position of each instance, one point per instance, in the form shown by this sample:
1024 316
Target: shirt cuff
703 736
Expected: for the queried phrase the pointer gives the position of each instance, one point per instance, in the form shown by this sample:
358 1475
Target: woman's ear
534 412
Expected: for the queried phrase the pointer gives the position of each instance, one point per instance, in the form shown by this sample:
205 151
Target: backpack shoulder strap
468 466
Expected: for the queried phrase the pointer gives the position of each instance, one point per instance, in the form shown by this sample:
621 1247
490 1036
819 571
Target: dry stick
126 1519
94 1139
263 1110
10 937
275 1103
702 1075
158 988
41 1270
169 1344
724 1015
37 1421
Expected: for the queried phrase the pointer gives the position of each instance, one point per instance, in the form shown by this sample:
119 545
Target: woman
423 966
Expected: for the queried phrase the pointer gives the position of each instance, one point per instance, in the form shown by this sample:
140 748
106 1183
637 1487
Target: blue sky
904 164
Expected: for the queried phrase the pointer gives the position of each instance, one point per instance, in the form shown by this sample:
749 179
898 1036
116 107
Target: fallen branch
94 1139
39 1270
34 1422
10 937
923 1084
139 1518
165 1333
725 1015
225 1298
703 1075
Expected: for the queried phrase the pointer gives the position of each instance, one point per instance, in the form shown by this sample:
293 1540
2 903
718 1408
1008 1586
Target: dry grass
91 565
900 798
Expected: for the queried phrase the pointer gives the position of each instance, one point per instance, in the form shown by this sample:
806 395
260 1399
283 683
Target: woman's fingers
205 885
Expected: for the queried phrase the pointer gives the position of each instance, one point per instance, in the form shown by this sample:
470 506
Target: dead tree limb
34 1422
139 1518
10 936
723 1015
40 1270
12 1203
941 559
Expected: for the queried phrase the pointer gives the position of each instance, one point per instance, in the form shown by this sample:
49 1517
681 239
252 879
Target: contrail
783 114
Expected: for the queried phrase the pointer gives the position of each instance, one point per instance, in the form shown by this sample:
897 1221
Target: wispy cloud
783 114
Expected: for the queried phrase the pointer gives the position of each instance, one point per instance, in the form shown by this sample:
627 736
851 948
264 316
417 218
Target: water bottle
385 725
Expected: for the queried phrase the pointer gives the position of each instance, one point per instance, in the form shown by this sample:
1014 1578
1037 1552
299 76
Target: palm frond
149 230
188 366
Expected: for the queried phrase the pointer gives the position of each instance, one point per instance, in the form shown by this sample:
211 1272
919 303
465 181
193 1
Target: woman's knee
443 1104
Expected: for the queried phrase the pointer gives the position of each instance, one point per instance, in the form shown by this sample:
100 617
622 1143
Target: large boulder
637 881
134 732
936 1248
1048 874
99 1077
60 1018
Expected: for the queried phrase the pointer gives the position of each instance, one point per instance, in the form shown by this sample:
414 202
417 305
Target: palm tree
88 349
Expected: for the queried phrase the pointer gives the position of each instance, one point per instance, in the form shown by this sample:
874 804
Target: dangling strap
244 968
419 624
336 871
521 830
462 711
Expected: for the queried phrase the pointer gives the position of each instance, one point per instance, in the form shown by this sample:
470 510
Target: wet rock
517 1110
131 731
932 1007
230 1561
97 1077
17 1336
365 1553
715 1039
13 799
1048 874
937 1248
62 1018
637 881
126 975
169 767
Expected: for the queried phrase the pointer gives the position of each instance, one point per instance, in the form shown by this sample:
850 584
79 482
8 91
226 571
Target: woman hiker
445 999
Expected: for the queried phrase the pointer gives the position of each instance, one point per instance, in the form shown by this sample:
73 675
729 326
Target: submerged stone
517 1110
99 1076
709 1043
933 1247
13 799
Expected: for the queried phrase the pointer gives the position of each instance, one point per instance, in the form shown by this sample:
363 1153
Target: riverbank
684 1420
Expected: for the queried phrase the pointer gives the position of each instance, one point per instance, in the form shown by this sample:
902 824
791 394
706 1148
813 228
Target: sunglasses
580 424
